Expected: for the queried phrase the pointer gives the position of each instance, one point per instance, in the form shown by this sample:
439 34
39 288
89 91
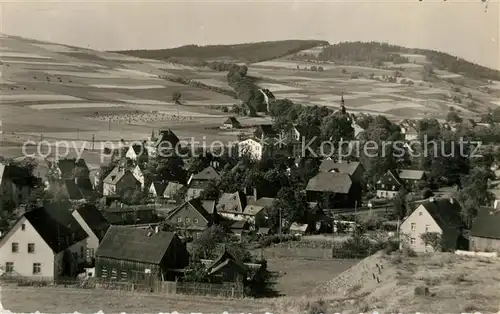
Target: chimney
496 204
451 200
157 229
431 199
255 193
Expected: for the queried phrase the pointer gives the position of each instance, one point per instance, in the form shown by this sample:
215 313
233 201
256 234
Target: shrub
317 307
391 246
422 291
408 252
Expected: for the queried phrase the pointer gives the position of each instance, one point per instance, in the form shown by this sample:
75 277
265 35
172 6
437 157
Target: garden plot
35 97
329 97
172 66
74 105
128 86
386 106
130 73
430 91
388 90
12 54
213 82
277 87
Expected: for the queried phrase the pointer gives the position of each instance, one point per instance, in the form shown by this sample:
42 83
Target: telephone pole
93 140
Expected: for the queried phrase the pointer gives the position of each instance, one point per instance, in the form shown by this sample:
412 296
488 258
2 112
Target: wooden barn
140 255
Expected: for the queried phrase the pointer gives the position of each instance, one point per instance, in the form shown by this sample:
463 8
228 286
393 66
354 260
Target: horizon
461 29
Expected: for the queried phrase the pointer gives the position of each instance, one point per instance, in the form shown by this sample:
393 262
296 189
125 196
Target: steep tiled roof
444 212
159 187
94 219
195 204
134 244
55 224
207 174
486 224
330 182
342 167
411 174
232 202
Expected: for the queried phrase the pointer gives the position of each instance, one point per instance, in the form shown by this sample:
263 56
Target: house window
37 268
9 267
113 273
420 213
426 228
413 226
179 219
412 241
195 220
188 220
31 247
15 247
23 227
81 251
382 186
123 275
104 272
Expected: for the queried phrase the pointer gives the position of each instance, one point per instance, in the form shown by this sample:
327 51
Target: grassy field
69 300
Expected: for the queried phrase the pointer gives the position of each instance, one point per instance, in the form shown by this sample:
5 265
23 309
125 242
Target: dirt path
69 300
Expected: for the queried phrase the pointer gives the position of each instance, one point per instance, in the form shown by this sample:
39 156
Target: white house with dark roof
409 129
44 244
440 216
199 181
353 168
118 181
333 190
16 183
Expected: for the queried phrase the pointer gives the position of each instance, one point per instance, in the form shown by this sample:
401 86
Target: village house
164 143
117 214
485 232
192 217
78 188
434 216
253 148
409 128
136 150
68 168
174 190
118 181
199 181
232 205
255 211
157 188
16 184
391 182
140 255
353 168
227 269
46 243
333 190
94 224
265 132
230 123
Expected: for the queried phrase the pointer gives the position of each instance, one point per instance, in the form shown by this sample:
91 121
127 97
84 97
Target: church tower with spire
342 105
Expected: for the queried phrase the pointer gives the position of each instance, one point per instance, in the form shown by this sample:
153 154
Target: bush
408 252
266 241
391 246
422 291
316 307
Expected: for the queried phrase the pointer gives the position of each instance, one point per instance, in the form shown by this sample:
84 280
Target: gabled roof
197 205
167 136
20 176
486 224
207 174
257 206
225 258
209 206
134 244
330 182
67 166
411 174
139 149
94 219
265 130
232 202
57 227
444 212
392 174
80 189
233 121
159 187
116 175
342 167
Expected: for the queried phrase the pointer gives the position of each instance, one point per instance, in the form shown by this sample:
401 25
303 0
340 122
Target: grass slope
247 53
456 284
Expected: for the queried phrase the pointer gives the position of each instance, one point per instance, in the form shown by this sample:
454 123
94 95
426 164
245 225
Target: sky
458 27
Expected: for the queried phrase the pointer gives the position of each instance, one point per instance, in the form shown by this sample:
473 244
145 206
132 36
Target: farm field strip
383 107
127 86
103 75
54 48
146 102
74 105
278 87
36 97
13 54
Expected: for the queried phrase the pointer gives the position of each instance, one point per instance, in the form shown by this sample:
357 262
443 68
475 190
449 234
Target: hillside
456 284
246 53
377 53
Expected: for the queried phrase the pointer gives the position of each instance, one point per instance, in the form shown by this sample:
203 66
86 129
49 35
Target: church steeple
342 103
